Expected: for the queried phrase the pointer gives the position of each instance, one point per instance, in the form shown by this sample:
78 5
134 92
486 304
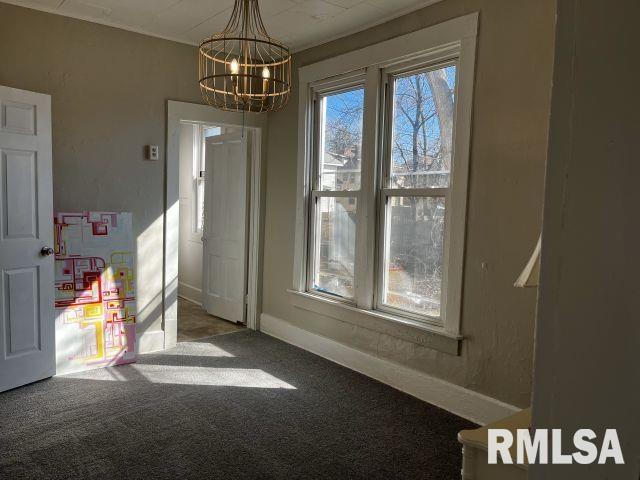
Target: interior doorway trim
191 112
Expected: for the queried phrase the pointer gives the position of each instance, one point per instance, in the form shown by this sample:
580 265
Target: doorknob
46 251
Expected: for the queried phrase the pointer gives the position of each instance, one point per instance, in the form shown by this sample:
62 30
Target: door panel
27 342
17 117
216 270
19 205
21 312
225 227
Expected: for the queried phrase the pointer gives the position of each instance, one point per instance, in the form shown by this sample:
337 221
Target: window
334 197
417 166
202 132
384 146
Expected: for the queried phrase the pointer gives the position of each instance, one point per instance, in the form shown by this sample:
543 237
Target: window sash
315 239
383 243
387 80
342 84
321 92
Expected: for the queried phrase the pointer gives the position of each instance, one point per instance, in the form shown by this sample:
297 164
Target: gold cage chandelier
242 68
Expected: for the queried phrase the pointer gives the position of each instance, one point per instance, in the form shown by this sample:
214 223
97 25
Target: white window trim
451 39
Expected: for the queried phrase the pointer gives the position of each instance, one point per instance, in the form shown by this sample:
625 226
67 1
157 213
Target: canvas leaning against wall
94 290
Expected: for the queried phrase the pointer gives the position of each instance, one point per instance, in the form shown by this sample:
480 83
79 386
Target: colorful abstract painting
94 290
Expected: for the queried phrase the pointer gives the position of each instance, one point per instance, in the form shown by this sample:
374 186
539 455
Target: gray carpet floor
236 406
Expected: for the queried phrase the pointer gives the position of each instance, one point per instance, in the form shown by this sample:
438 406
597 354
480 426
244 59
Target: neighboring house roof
335 159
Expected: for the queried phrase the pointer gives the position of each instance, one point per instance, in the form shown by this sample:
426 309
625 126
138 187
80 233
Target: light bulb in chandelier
234 67
266 74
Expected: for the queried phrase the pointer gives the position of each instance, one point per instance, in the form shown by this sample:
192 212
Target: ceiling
298 23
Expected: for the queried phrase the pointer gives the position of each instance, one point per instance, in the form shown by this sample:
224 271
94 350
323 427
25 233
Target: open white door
27 341
224 272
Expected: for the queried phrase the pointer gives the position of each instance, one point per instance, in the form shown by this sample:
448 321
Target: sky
343 104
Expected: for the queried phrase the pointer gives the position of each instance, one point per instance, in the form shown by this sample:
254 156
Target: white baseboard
150 342
463 402
190 300
189 292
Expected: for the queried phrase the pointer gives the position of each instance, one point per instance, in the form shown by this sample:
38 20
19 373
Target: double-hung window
384 147
419 120
337 152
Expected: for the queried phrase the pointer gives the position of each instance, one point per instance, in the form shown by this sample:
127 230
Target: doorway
194 257
203 192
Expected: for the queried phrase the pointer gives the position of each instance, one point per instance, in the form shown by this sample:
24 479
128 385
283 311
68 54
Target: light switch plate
152 152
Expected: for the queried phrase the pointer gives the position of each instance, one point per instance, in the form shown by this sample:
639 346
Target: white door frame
191 112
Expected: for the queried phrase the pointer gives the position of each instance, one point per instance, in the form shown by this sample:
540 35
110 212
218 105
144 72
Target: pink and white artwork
94 290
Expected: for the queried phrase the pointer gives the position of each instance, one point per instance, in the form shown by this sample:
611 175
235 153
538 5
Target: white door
224 273
27 341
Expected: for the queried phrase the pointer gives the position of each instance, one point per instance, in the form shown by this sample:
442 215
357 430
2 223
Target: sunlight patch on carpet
205 376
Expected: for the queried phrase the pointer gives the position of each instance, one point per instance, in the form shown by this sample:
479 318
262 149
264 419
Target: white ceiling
298 23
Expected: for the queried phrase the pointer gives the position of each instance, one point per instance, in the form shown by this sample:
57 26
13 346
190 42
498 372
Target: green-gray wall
508 153
109 89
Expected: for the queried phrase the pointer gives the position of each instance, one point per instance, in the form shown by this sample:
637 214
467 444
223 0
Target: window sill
429 336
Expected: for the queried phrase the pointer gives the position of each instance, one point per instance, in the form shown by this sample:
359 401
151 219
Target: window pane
423 113
341 140
198 170
212 131
335 245
415 227
199 211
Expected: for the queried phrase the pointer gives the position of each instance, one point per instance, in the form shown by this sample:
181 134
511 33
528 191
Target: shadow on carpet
235 406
